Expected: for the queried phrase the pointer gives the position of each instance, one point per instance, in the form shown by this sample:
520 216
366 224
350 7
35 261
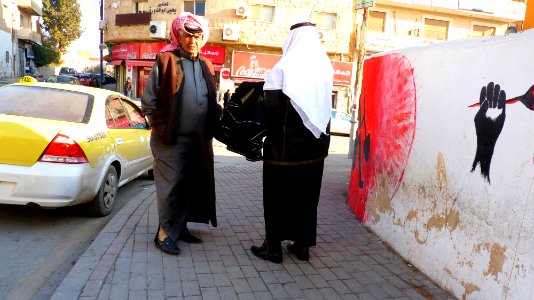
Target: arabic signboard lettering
214 53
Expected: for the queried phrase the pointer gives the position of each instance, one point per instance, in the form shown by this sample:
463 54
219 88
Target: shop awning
115 62
140 63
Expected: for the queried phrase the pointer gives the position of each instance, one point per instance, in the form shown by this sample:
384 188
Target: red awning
115 62
140 63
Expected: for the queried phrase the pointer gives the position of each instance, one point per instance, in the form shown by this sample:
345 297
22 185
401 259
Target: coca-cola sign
253 65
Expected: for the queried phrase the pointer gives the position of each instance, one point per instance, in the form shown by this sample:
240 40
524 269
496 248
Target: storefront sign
258 65
253 65
125 51
343 72
214 53
149 50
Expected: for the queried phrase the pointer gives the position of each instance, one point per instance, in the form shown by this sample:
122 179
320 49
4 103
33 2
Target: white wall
472 236
6 68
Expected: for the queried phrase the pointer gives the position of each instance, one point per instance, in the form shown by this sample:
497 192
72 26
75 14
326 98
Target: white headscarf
305 74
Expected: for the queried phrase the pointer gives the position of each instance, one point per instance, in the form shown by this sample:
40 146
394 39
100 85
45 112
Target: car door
140 125
125 137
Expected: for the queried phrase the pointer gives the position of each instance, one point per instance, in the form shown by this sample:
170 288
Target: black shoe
302 252
187 237
263 253
167 245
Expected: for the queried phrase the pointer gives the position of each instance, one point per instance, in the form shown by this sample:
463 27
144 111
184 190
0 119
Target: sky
90 38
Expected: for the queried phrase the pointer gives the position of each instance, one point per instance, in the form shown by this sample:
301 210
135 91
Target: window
376 21
480 31
141 6
436 29
261 12
325 20
7 56
116 115
195 7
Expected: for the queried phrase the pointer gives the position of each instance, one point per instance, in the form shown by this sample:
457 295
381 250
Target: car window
45 103
116 114
136 118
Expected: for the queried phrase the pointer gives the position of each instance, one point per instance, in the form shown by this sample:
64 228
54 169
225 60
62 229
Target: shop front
135 60
251 66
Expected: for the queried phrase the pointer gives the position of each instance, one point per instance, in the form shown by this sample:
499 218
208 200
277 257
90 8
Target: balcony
30 7
499 10
29 35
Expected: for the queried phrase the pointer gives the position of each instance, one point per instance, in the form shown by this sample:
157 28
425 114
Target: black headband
301 24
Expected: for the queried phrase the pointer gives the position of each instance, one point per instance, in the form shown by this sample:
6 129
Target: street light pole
101 42
358 84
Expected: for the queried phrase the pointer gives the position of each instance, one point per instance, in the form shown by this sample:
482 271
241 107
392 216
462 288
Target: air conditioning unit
230 32
158 29
242 10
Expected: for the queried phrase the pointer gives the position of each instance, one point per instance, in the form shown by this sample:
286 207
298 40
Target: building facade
245 36
19 30
396 24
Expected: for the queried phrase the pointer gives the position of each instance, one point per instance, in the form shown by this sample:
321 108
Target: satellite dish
510 29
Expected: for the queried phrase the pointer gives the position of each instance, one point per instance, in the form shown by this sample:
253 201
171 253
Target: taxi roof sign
27 79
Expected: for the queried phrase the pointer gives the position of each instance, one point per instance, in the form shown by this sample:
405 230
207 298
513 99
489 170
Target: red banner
253 65
149 50
125 51
214 53
258 65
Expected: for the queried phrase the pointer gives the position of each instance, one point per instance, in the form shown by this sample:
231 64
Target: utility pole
358 84
101 41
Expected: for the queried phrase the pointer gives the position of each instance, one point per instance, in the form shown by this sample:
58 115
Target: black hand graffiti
488 128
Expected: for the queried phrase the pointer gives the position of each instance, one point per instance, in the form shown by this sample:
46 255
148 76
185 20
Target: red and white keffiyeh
189 23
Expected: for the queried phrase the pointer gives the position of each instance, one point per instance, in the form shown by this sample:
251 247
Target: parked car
67 71
63 79
340 123
85 78
109 79
65 144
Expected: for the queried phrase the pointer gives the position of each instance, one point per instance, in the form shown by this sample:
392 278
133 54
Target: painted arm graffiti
489 122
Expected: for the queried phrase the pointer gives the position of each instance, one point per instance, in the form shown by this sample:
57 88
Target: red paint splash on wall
386 129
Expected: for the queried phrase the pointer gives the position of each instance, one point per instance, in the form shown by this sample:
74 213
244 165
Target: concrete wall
6 67
449 184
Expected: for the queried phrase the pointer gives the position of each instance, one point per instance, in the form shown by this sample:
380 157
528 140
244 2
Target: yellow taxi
63 145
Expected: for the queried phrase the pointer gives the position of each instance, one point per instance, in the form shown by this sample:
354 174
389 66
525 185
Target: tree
45 56
61 22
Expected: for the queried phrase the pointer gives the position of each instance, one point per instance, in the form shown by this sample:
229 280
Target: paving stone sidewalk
349 262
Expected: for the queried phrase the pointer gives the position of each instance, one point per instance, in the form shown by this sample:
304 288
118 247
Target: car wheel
103 203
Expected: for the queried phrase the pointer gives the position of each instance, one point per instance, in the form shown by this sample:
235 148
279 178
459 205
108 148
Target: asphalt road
39 246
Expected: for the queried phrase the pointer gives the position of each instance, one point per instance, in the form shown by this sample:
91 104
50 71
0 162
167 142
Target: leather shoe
302 252
263 253
167 245
187 237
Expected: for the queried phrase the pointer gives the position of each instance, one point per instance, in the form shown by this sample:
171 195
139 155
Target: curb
92 268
